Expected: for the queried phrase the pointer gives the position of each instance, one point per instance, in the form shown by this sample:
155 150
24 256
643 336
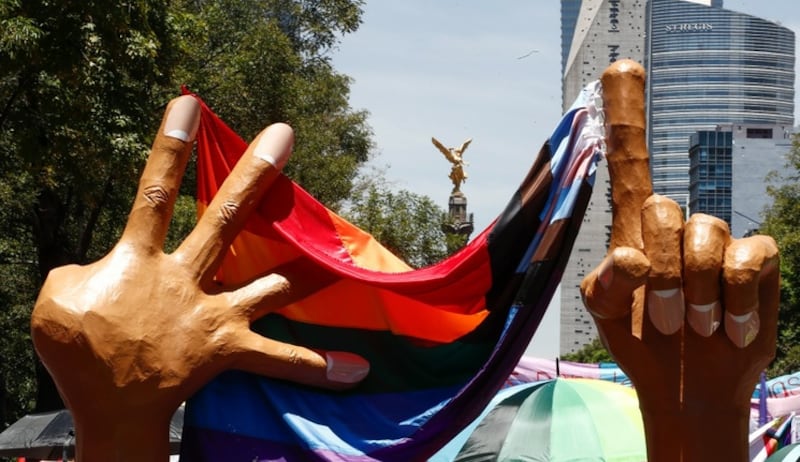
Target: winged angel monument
455 156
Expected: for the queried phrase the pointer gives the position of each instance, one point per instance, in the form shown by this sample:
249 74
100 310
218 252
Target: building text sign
690 27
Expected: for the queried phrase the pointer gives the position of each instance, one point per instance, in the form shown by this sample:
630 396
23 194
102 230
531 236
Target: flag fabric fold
440 340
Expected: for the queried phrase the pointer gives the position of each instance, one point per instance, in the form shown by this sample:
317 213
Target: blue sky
458 69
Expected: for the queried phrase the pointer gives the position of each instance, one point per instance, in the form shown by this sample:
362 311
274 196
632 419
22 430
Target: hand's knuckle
742 265
228 211
156 195
292 355
696 262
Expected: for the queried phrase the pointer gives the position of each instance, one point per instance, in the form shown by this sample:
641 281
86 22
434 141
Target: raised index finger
608 291
623 97
161 178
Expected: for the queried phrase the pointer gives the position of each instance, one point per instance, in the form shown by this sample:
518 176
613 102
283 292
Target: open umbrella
555 420
47 435
788 453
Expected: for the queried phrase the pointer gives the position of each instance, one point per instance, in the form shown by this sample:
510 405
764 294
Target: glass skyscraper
710 173
570 9
728 166
709 66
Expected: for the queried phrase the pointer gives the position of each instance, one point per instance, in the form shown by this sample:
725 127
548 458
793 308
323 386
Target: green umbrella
790 452
560 420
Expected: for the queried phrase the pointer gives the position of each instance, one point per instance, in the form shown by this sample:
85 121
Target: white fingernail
344 367
666 309
183 119
742 329
705 319
275 145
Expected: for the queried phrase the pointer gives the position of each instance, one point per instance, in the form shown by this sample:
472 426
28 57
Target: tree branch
94 215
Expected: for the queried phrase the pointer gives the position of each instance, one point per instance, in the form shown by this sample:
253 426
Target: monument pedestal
459 221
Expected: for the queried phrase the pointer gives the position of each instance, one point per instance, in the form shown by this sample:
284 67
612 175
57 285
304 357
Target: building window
760 133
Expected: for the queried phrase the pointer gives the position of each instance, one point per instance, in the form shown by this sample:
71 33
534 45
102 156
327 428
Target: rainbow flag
440 340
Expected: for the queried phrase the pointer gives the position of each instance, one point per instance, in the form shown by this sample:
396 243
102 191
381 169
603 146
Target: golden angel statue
454 155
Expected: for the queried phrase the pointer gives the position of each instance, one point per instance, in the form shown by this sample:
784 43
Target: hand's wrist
134 439
697 434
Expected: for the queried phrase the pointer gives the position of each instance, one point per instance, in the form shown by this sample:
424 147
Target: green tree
591 353
79 82
408 224
259 62
82 89
782 222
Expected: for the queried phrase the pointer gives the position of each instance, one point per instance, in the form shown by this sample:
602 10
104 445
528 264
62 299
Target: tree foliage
782 222
78 82
259 62
408 224
591 353
83 86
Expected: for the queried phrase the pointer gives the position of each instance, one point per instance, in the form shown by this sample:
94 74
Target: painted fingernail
183 119
344 367
742 330
666 309
705 319
275 145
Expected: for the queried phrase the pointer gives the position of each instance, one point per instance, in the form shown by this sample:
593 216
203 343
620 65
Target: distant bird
527 54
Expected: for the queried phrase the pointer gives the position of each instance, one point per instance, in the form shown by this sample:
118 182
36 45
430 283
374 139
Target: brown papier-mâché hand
689 313
128 338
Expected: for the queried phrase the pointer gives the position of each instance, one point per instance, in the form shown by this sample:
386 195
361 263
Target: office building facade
709 66
570 10
602 32
727 169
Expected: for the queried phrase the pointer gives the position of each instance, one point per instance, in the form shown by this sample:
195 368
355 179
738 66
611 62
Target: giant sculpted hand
130 337
689 313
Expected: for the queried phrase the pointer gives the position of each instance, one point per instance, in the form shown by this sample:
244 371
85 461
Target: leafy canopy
83 86
782 222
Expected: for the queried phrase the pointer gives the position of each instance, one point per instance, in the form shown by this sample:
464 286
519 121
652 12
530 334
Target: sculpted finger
662 233
750 275
333 370
623 101
158 187
608 290
287 284
236 198
704 241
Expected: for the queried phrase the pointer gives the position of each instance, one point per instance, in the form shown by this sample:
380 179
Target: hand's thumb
608 290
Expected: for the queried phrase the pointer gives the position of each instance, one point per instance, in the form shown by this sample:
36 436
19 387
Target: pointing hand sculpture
130 337
455 156
689 313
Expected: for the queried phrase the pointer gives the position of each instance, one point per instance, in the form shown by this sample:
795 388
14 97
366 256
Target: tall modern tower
709 66
570 10
603 32
594 34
